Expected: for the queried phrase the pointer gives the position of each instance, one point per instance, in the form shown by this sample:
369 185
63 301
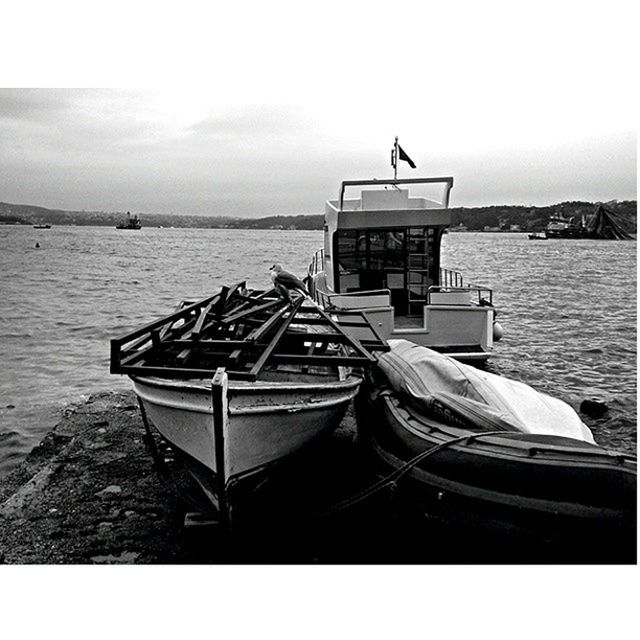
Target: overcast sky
530 104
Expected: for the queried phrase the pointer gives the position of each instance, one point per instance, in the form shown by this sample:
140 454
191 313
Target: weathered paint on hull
267 421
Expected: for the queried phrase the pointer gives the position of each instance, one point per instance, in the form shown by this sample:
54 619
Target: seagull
284 282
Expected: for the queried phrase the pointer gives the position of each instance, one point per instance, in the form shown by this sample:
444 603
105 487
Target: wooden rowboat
240 382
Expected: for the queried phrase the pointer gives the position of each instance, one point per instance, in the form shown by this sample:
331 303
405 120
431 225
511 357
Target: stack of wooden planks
245 331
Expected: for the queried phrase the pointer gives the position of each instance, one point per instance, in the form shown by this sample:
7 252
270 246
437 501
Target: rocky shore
90 494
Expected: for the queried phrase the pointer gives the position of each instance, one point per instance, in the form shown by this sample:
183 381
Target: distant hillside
503 217
536 218
29 214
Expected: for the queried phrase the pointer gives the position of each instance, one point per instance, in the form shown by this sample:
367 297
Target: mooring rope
398 473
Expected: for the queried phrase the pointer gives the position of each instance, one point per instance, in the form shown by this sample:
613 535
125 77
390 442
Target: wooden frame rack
243 331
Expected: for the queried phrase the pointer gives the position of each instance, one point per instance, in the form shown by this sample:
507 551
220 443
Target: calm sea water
568 309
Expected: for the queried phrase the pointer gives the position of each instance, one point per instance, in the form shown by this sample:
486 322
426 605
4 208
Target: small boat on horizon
538 236
42 226
132 222
478 451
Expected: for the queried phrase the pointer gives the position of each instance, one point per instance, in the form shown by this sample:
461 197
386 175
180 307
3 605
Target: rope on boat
395 475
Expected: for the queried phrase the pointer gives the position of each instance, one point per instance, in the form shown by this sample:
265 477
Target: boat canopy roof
388 203
391 196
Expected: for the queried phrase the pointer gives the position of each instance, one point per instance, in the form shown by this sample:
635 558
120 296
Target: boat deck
408 322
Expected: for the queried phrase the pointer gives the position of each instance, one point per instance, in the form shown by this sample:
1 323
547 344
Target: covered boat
381 259
239 382
471 448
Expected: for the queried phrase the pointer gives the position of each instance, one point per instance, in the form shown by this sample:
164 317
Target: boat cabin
386 240
381 257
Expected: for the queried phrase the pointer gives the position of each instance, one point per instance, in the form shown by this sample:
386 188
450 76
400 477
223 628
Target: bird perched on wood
285 282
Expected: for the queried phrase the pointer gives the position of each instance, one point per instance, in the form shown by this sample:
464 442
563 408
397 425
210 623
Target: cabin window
403 260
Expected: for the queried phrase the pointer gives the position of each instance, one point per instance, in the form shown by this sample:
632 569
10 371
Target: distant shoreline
517 218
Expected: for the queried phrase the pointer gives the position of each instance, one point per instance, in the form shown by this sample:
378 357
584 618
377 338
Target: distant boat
458 228
133 222
603 224
537 236
560 227
42 226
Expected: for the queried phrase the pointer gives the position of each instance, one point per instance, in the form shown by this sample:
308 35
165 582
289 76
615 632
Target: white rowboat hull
266 421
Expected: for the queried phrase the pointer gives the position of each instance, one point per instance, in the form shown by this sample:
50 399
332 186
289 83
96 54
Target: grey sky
535 107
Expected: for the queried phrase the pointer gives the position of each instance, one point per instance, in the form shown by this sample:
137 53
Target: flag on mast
403 156
398 153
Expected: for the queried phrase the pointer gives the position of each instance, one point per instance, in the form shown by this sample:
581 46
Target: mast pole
395 159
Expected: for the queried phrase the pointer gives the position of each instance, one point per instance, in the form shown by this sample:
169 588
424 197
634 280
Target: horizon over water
567 307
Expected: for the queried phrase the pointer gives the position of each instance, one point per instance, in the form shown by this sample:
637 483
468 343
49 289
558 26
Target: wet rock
98 445
28 492
593 407
126 557
110 491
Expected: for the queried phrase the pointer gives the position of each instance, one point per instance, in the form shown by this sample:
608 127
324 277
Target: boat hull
267 422
535 487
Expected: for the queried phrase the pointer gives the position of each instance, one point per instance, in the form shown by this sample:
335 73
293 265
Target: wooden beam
354 342
195 333
206 344
257 367
159 323
130 358
181 373
183 356
247 312
265 327
323 361
220 417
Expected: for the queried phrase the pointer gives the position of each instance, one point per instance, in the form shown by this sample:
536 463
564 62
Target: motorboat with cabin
381 261
561 227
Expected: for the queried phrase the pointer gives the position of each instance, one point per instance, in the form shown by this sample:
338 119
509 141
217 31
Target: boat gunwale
507 447
347 396
346 381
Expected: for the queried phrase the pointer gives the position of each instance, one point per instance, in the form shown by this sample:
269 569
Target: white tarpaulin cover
461 394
